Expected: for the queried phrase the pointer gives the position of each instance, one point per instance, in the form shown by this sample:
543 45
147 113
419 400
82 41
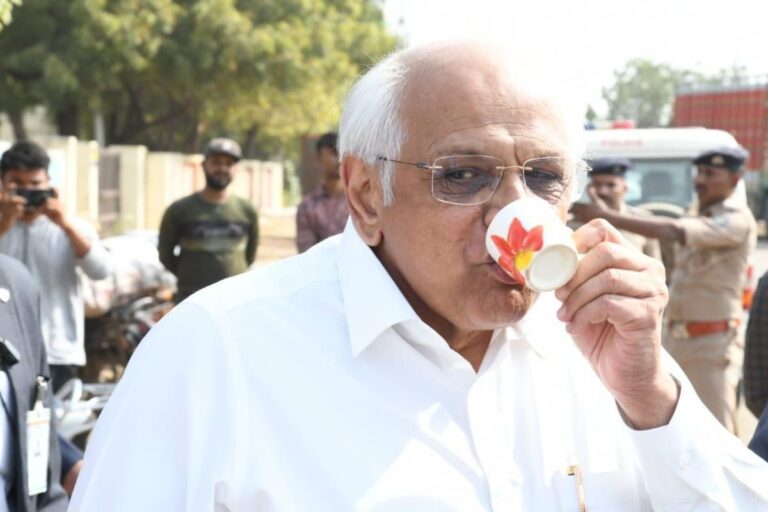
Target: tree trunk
16 116
250 139
67 120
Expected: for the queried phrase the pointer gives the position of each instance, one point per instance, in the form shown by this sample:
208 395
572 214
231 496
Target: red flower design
518 249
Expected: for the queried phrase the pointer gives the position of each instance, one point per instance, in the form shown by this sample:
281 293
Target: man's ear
364 198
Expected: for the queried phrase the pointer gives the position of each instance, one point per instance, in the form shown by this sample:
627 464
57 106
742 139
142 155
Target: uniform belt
694 329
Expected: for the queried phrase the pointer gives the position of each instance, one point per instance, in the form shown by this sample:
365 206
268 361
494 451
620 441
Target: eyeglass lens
472 179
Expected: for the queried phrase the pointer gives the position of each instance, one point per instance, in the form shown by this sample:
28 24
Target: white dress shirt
47 252
311 385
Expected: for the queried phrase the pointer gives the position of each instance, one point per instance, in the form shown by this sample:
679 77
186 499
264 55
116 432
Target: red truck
740 109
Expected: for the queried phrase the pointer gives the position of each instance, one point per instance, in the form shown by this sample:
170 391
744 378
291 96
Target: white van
661 179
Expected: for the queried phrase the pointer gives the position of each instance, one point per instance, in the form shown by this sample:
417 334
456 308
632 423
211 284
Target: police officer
609 185
714 242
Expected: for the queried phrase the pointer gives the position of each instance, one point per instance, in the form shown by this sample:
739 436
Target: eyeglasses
468 180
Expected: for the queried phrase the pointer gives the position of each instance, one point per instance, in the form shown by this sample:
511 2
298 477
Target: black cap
222 146
610 166
729 158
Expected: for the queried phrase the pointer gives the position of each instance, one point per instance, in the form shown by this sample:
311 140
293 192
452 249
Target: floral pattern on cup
517 251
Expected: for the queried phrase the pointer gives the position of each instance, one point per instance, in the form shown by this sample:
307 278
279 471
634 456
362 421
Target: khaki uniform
649 246
707 288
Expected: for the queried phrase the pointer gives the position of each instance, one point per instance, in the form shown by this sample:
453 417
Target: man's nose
511 188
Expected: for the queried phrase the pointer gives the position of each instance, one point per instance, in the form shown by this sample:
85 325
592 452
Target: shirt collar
372 300
374 303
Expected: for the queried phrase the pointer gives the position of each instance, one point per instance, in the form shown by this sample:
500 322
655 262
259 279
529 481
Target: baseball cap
223 146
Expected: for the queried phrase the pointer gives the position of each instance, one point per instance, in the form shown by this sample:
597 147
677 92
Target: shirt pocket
614 491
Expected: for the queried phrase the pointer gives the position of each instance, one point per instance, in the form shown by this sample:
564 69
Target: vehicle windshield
660 181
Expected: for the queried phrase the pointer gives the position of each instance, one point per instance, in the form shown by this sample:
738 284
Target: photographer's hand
54 210
11 208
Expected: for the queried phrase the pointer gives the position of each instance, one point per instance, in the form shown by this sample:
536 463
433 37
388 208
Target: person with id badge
29 453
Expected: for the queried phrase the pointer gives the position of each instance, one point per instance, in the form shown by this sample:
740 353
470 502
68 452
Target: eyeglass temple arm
420 165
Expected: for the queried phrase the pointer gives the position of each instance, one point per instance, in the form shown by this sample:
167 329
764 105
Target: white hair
370 125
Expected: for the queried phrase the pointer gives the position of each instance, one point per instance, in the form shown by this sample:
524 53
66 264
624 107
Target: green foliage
5 11
171 73
642 91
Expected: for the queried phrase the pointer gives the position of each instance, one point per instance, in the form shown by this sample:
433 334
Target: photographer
35 229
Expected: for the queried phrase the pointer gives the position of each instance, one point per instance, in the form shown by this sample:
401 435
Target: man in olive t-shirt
216 233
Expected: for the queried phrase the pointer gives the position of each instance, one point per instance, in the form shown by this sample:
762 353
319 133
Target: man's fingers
606 255
611 281
627 313
596 231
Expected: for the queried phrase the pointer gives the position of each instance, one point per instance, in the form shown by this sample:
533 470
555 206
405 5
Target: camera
35 197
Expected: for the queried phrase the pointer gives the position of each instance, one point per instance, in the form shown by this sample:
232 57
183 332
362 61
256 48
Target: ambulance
661 178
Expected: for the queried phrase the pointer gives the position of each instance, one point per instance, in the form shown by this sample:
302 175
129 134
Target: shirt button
685 460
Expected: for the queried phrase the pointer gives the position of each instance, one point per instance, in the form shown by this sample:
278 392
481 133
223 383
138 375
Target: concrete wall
63 168
133 161
148 181
87 200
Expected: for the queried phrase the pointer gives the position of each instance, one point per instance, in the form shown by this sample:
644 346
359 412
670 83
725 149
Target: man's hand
613 310
11 208
585 212
54 210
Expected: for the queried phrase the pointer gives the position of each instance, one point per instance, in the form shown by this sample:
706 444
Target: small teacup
532 245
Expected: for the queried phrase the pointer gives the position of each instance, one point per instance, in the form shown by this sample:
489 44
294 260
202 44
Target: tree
644 91
169 73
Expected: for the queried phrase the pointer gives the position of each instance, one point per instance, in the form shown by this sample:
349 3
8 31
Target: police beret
729 158
222 146
611 166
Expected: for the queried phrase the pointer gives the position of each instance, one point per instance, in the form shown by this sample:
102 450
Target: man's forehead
27 174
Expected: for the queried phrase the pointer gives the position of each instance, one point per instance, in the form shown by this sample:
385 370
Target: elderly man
396 368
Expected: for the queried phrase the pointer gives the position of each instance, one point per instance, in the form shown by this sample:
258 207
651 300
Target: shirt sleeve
727 229
756 351
167 239
305 234
169 436
694 463
97 262
253 237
